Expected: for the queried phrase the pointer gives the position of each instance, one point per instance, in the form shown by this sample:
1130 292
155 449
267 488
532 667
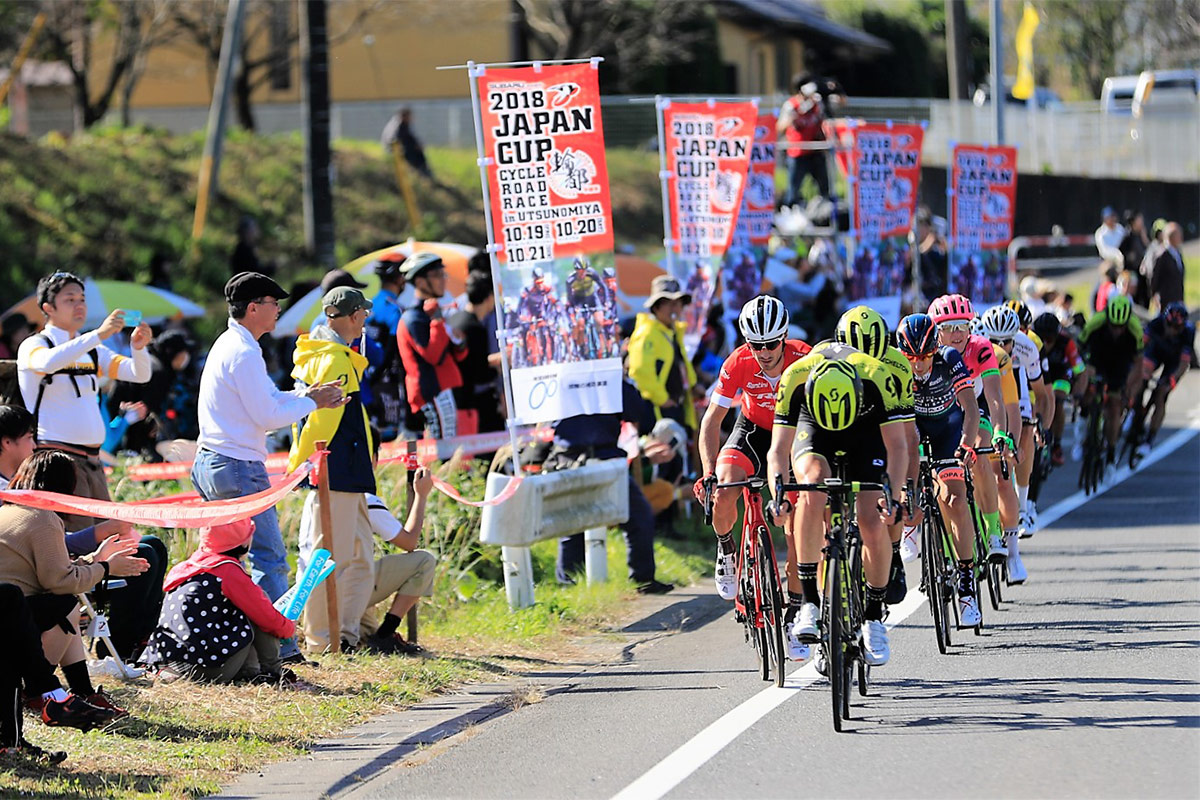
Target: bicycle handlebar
988 450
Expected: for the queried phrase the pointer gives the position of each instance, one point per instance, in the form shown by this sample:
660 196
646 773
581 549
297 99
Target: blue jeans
218 477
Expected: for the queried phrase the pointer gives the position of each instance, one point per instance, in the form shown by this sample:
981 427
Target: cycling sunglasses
914 359
955 327
766 345
1002 342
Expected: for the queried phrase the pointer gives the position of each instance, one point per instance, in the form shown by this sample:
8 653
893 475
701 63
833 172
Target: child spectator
216 624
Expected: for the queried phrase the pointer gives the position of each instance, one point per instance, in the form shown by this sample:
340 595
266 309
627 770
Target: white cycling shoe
910 544
804 627
996 549
796 649
726 575
1016 568
875 649
968 611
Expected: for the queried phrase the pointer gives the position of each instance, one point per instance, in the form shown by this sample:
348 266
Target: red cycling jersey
741 371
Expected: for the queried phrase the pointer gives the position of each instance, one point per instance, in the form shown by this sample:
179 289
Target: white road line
698 750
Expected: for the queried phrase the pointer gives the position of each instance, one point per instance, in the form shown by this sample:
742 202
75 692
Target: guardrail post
518 576
596 555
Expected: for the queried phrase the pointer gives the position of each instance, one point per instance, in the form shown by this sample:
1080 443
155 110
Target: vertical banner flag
552 220
983 203
1024 85
707 148
884 169
742 266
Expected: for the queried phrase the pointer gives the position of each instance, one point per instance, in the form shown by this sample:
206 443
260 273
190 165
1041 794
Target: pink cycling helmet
950 307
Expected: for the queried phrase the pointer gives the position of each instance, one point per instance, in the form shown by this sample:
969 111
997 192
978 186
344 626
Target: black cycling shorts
747 448
1166 357
943 435
866 456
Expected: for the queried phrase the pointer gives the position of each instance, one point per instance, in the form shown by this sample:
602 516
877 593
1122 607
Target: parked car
1166 91
1116 96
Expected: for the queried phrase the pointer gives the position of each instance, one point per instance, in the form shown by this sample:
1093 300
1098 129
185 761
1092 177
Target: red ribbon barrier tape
186 512
448 490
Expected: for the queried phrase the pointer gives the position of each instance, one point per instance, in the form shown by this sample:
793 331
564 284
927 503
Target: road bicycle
1042 464
1091 469
938 573
844 585
987 573
759 604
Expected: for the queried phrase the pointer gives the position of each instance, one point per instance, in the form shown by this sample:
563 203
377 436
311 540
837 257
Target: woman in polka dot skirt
216 624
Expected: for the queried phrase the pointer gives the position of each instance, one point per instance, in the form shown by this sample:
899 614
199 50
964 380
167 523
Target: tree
1089 36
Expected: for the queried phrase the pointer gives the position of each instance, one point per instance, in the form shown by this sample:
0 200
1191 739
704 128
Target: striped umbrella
157 305
302 311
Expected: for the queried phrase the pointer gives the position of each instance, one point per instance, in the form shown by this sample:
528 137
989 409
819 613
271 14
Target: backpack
71 372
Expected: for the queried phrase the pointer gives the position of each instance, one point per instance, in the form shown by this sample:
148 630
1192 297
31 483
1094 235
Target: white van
1166 91
1116 97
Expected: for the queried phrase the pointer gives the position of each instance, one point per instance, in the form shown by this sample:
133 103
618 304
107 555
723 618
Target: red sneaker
101 700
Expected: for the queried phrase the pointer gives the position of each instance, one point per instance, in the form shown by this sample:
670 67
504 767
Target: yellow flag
1023 88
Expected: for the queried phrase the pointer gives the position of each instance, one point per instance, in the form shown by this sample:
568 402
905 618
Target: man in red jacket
429 349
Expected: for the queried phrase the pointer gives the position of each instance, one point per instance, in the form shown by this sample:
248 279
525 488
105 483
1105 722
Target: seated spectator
34 557
216 624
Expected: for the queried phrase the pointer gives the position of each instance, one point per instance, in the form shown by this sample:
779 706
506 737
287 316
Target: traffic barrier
551 504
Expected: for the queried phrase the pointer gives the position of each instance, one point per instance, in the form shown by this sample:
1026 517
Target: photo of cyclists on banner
981 276
741 278
564 311
877 276
701 282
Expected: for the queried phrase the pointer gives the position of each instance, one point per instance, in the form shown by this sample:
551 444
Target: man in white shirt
59 372
238 406
1109 236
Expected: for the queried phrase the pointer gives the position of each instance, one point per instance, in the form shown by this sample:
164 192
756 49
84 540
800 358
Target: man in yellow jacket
323 356
658 362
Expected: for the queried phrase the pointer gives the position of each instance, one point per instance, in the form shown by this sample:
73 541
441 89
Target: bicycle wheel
933 563
835 650
772 604
858 601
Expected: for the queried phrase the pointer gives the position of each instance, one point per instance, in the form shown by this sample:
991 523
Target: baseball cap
247 286
345 300
664 287
1108 211
390 265
339 277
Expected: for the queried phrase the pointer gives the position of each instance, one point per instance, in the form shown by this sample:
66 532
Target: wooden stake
331 599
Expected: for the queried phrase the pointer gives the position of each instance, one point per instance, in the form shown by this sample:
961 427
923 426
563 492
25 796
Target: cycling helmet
916 336
1023 313
538 274
763 319
863 328
834 393
1047 326
609 274
951 307
418 264
1119 309
975 328
1176 313
999 322
580 264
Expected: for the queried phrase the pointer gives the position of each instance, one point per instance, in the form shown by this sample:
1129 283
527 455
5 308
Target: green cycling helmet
1119 309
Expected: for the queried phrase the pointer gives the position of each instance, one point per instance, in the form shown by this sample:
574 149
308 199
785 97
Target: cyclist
839 400
538 311
1170 343
953 314
947 415
1041 397
1112 343
1061 367
863 328
753 369
584 286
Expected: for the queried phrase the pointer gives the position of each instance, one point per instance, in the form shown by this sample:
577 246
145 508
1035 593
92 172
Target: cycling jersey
1059 361
936 394
979 357
1008 382
899 367
1167 350
1111 352
585 289
537 302
741 372
1027 368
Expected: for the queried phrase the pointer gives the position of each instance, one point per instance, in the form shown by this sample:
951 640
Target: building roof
805 18
42 73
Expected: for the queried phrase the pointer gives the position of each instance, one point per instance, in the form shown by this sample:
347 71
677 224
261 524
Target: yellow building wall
754 55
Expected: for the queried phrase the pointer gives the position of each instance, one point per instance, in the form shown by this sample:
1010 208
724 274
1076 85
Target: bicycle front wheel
933 563
772 603
835 646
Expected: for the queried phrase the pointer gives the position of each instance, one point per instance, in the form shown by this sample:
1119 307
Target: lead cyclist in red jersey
753 369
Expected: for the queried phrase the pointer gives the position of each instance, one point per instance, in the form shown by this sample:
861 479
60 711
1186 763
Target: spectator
405 577
217 625
429 349
657 364
1166 279
16 441
594 436
59 372
1136 242
934 258
34 557
800 120
170 353
1109 236
325 356
244 257
238 406
390 407
386 310
399 129
14 330
481 397
812 299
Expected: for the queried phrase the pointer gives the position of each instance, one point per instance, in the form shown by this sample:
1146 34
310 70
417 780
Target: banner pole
326 522
661 104
474 71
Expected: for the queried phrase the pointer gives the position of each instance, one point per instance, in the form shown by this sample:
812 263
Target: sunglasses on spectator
766 345
955 327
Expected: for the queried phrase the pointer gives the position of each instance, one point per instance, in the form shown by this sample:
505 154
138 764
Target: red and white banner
707 149
983 200
885 169
757 212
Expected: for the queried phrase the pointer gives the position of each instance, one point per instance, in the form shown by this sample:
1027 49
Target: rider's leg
987 497
725 501
877 547
808 535
1024 471
1159 400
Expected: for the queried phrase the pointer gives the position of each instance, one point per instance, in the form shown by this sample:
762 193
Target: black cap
247 286
390 266
339 277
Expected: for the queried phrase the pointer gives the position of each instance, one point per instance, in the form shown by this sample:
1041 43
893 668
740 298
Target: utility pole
996 43
957 56
518 36
210 161
314 93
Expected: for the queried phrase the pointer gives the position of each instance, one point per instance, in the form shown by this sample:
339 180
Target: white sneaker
804 627
1016 568
726 575
796 649
875 648
1143 450
968 611
996 549
910 544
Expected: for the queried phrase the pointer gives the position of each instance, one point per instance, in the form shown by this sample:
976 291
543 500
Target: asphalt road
1085 684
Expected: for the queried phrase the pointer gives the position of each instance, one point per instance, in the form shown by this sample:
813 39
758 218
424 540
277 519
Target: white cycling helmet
999 322
763 319
670 432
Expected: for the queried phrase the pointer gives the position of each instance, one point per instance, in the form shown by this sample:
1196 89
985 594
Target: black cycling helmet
916 336
1023 312
1176 313
1046 326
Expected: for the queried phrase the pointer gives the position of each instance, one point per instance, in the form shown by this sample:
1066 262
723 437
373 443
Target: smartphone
133 319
